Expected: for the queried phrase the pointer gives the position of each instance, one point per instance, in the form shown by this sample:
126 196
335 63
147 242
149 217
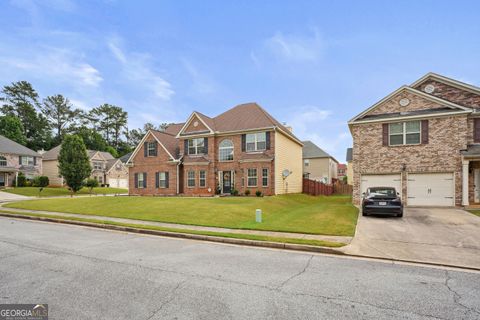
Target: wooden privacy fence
316 188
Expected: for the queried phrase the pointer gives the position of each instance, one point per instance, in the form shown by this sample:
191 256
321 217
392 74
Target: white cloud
316 124
202 83
54 63
293 47
136 67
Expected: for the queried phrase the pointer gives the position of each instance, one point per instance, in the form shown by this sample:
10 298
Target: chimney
289 128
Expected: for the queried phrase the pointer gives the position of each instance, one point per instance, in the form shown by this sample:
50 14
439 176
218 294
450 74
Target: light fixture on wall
404 167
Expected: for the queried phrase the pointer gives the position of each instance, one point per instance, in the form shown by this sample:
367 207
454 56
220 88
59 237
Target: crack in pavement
170 299
202 277
296 274
456 295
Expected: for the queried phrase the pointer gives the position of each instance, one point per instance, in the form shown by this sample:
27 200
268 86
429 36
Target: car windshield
381 192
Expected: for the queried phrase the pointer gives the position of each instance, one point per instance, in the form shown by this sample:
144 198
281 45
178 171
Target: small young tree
90 184
74 164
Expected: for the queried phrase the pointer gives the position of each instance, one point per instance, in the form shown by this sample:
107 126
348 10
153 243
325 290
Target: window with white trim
404 133
225 150
140 179
256 141
3 162
306 162
27 161
191 179
265 177
252 177
202 178
151 149
97 165
162 180
196 146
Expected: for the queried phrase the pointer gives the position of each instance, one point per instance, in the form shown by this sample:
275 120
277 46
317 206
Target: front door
476 182
227 181
2 179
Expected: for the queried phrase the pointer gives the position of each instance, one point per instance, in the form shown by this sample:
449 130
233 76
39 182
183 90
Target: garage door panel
381 180
430 189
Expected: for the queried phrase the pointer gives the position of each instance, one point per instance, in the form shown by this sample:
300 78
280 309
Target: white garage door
119 183
430 189
381 180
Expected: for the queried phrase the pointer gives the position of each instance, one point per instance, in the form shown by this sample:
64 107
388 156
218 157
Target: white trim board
415 92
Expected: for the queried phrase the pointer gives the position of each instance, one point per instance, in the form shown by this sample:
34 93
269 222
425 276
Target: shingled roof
247 116
53 153
12 147
311 150
169 142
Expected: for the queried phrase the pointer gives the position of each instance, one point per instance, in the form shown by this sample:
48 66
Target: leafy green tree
112 121
92 139
21 100
112 151
59 112
90 184
74 164
12 128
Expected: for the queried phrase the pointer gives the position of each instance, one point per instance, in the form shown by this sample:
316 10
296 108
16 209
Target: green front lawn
334 215
475 212
52 192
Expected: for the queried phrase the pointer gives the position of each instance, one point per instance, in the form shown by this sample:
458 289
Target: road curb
244 242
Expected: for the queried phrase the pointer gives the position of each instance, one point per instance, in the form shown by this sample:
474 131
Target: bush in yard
73 162
258 193
21 180
40 181
247 192
234 192
90 184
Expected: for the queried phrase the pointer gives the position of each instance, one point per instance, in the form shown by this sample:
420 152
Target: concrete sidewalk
338 239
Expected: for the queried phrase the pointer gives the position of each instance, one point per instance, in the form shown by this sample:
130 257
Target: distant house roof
53 153
110 163
341 166
311 150
125 157
349 154
12 147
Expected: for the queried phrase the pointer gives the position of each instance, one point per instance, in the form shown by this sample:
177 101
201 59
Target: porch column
465 193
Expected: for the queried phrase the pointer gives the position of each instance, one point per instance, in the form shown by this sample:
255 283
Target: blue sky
312 64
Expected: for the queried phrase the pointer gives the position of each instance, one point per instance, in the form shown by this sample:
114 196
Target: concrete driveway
5 197
434 235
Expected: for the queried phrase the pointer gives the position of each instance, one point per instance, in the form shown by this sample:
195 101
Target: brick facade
448 136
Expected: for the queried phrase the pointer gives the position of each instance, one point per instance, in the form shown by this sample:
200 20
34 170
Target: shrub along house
422 139
15 158
242 149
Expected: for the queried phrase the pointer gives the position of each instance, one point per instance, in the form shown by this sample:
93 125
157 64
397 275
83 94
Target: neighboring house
105 168
317 164
349 166
424 140
244 148
15 158
342 171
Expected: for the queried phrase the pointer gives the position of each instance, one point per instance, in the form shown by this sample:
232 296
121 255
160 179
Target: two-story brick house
15 158
422 139
244 148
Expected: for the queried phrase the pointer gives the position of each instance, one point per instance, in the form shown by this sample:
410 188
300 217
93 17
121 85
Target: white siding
50 169
288 156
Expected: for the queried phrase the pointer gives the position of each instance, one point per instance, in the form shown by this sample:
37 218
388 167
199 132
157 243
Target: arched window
3 162
225 150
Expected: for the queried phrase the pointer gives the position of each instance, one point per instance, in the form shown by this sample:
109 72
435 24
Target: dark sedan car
382 200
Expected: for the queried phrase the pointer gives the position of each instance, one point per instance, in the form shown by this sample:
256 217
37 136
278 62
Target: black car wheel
400 215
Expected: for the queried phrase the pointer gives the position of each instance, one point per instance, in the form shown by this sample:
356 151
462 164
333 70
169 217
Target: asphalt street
85 273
